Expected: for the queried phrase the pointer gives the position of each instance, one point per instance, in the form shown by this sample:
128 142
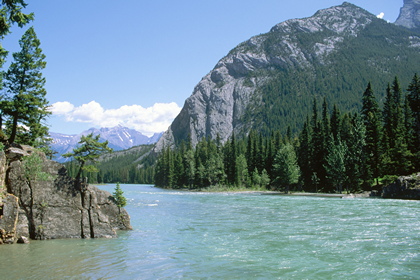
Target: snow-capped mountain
119 138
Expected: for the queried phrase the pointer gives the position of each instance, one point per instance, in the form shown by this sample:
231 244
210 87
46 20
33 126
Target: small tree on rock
119 196
87 153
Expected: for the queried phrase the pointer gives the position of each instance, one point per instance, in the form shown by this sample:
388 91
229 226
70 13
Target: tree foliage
333 152
286 169
87 153
24 106
11 13
119 197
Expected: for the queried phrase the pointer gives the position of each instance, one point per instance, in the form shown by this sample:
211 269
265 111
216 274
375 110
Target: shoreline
336 195
267 192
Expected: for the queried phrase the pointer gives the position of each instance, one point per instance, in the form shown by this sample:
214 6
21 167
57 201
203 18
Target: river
187 235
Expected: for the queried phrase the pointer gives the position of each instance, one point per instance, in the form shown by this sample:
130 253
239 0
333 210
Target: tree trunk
14 128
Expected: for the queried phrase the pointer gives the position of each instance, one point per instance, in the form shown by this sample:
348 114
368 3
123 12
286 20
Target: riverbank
228 190
337 195
404 187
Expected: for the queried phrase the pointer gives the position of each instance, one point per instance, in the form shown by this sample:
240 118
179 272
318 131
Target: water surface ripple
184 235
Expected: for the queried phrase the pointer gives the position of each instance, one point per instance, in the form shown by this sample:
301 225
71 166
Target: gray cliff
53 208
295 49
410 15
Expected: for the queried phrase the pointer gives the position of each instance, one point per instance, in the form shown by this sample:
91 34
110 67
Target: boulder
405 187
23 240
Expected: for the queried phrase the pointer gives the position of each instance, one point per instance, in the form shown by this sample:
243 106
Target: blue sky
134 62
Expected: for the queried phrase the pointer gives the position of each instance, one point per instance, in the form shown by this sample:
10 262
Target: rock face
410 14
302 52
405 187
57 207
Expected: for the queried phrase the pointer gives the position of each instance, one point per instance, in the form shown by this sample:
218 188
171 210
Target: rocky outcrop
410 15
405 187
56 207
9 219
300 52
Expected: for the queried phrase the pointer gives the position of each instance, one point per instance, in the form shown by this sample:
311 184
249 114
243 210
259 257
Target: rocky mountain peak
297 59
410 14
345 18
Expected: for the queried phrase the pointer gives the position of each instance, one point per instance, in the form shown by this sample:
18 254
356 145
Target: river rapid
188 235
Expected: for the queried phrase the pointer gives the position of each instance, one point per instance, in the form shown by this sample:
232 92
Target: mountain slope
269 82
119 138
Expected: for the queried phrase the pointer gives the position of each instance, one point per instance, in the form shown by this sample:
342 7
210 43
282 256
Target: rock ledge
56 208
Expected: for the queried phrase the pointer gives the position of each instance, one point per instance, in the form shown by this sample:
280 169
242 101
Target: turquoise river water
186 235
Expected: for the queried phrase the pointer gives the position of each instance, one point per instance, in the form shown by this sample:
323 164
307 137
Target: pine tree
269 159
395 147
88 151
214 164
230 161
118 195
335 122
304 154
25 103
414 103
286 168
355 157
242 176
318 150
336 164
11 13
189 167
371 118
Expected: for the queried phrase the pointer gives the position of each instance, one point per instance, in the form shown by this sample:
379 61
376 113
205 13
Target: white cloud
61 108
381 15
146 120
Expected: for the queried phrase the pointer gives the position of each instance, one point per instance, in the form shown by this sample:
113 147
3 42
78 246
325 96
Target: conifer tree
159 178
269 159
371 118
119 197
335 122
87 153
242 176
286 168
355 157
304 154
11 13
414 103
25 103
318 149
336 163
230 161
189 167
397 155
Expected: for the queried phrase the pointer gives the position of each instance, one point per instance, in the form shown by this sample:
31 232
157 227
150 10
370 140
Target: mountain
410 15
269 82
119 138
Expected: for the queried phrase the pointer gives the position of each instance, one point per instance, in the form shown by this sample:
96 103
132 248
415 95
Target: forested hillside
335 151
132 166
286 97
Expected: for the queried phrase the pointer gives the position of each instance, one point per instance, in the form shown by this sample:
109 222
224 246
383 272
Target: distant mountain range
119 138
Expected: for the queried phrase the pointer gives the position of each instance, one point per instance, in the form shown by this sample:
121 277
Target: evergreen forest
132 166
334 151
